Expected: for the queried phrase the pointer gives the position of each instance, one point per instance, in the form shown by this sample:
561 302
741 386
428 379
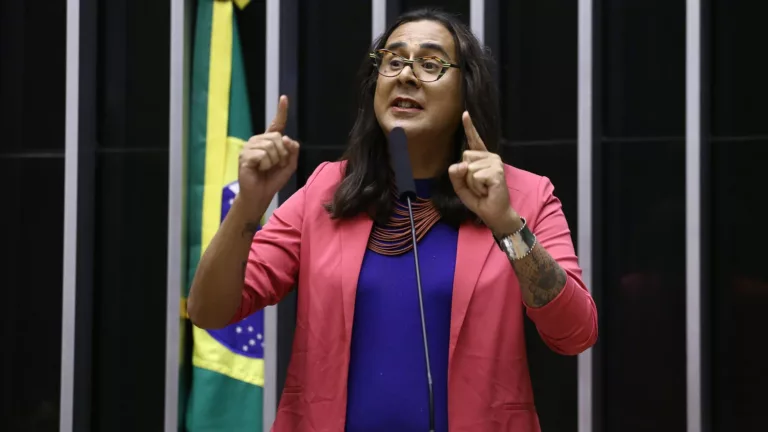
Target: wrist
248 209
509 224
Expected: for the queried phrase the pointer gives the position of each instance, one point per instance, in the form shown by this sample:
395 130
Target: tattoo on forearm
250 228
541 277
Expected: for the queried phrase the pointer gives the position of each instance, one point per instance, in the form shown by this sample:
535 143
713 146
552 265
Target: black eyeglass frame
376 55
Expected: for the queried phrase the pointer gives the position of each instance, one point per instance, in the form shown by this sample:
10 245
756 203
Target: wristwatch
519 244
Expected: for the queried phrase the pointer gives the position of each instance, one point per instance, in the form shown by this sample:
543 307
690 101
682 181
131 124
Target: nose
407 77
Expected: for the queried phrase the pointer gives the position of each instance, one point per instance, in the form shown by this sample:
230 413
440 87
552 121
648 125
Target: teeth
406 104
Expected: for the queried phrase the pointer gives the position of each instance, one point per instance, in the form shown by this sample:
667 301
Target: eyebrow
426 45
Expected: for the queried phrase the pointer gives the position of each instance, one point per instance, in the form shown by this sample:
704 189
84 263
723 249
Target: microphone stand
423 321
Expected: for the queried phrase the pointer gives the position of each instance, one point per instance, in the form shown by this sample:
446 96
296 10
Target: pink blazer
489 387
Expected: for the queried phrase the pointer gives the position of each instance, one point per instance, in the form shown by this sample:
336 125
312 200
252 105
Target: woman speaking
493 245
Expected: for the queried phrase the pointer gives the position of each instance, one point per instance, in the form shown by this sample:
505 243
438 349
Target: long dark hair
367 184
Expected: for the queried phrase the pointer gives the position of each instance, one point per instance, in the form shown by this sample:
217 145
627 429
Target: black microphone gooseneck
406 187
423 322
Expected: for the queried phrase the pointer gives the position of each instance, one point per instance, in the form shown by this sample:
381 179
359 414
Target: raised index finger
281 117
473 138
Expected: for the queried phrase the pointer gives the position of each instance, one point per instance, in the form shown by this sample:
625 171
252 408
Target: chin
411 125
405 126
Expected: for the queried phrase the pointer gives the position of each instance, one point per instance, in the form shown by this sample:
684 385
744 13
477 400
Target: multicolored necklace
394 238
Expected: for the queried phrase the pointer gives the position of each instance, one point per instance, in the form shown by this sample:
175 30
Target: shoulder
528 191
524 182
322 183
327 174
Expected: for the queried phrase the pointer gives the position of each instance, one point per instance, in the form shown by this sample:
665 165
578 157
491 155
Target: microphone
406 189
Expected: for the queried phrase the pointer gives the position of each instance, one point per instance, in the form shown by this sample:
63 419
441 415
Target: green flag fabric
227 379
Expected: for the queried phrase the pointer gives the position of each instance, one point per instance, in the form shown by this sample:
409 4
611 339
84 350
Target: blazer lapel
474 245
353 237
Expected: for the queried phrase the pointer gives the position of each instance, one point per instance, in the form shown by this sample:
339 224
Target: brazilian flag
227 377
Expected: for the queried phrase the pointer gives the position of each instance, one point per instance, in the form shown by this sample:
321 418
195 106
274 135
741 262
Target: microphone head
401 163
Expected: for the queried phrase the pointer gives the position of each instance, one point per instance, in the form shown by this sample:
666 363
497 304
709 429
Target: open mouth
406 104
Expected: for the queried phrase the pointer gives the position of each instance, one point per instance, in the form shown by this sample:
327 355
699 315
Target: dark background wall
639 211
327 97
640 141
736 151
31 213
131 215
125 182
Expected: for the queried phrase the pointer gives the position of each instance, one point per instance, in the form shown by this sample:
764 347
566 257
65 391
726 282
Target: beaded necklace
394 238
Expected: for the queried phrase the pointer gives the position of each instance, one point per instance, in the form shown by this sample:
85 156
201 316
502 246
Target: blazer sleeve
273 262
567 324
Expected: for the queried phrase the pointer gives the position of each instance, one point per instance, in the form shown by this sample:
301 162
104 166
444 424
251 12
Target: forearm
548 275
568 324
541 277
216 290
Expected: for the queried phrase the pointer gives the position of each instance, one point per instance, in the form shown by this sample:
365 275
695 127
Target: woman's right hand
267 161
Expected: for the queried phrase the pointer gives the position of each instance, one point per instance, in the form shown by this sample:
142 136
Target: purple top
387 384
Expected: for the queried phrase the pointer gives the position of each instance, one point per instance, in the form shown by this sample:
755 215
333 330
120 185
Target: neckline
424 187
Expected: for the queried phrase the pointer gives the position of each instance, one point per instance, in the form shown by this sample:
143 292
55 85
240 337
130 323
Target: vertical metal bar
693 213
272 94
69 280
79 179
177 126
585 141
477 19
378 18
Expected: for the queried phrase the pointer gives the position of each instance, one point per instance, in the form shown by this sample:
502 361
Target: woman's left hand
480 184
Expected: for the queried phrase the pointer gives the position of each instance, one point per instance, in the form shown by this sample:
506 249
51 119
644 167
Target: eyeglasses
426 69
